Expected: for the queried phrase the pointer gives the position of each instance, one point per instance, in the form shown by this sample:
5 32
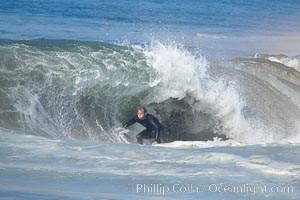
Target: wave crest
58 88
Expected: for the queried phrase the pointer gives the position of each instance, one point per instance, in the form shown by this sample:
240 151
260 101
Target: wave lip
79 89
293 62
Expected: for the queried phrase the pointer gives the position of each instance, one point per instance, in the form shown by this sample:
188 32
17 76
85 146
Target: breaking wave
86 90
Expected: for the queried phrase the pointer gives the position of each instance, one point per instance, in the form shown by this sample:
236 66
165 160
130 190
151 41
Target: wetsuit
152 128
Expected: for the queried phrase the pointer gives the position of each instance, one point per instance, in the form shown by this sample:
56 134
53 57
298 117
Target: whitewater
222 77
63 103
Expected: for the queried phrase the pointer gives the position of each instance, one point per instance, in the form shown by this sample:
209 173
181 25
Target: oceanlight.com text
164 189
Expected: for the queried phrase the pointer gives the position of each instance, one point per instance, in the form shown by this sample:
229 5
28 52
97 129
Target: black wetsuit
152 130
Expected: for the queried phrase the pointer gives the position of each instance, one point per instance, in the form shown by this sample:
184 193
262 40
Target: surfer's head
141 112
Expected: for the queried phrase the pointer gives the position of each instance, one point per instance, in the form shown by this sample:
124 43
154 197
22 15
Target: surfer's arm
130 122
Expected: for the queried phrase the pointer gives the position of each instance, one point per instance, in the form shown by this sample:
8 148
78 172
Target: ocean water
223 77
223 29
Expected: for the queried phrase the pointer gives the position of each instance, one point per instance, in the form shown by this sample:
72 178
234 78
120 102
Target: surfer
151 123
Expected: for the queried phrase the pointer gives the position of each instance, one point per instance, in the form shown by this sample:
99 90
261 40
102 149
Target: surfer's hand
154 142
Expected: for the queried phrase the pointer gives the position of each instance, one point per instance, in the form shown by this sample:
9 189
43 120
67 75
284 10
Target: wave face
85 90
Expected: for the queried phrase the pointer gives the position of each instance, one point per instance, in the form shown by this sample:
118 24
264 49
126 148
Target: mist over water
61 89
